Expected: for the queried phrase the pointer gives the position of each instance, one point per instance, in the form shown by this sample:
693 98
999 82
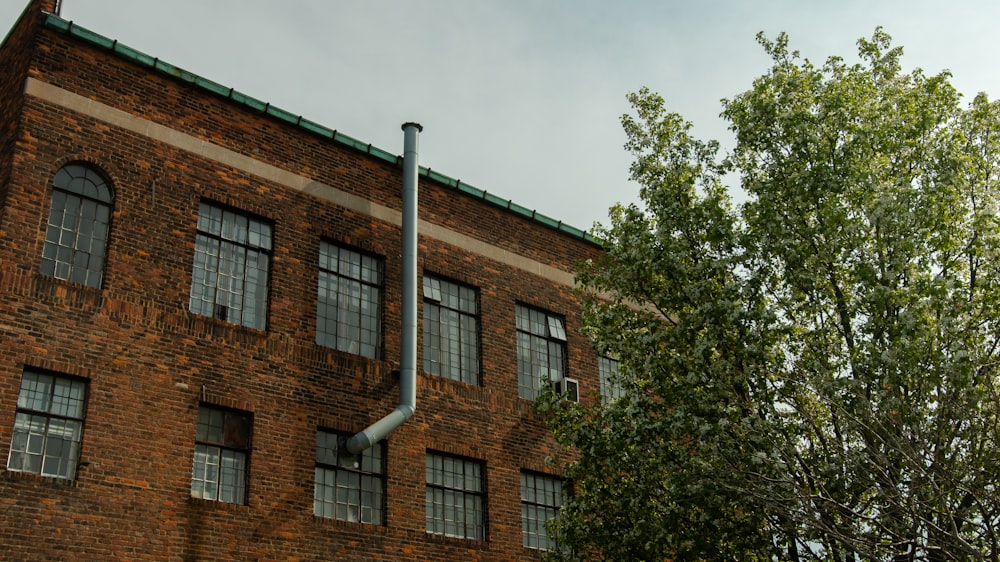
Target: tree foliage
811 374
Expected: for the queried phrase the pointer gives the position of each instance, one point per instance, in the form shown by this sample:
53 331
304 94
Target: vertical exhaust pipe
408 338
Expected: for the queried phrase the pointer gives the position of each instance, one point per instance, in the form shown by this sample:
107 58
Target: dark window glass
221 455
611 387
541 498
48 425
451 330
76 235
541 350
456 501
348 487
348 301
232 257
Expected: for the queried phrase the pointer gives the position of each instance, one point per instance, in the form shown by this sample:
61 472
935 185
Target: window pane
48 425
219 468
67 398
209 424
347 487
451 331
232 476
541 498
455 504
348 307
36 391
205 472
230 272
541 350
80 213
611 387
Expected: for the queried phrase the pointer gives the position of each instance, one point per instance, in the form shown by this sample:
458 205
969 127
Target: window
48 425
347 313
76 237
451 330
221 455
231 263
541 498
611 387
541 350
455 498
348 487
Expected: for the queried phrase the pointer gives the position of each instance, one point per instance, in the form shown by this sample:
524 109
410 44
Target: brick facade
165 144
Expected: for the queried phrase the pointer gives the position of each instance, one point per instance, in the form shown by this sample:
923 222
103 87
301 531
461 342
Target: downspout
408 338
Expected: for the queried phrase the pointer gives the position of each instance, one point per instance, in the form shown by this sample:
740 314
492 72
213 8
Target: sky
523 98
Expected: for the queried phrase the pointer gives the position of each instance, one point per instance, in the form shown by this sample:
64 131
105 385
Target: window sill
458 541
216 504
224 330
330 521
20 476
61 291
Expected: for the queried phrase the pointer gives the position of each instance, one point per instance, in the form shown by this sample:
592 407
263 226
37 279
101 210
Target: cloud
519 97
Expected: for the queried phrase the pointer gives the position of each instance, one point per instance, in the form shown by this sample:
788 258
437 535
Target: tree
812 374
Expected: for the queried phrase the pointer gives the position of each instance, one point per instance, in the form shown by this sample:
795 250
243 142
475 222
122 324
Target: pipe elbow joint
359 442
407 410
378 430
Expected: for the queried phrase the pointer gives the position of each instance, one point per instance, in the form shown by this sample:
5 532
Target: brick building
200 302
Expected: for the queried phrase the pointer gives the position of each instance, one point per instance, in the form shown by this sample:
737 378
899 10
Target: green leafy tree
810 375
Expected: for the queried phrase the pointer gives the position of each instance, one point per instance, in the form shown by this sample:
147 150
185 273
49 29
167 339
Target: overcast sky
522 98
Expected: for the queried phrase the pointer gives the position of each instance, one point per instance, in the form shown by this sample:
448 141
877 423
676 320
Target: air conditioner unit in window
569 388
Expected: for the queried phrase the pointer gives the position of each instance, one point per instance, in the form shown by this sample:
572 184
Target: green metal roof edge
68 27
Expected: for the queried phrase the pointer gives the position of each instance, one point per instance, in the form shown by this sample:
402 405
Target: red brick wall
149 362
15 56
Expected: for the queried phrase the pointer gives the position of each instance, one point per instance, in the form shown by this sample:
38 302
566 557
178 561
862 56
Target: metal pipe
408 338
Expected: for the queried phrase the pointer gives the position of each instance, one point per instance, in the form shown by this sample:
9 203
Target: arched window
76 237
